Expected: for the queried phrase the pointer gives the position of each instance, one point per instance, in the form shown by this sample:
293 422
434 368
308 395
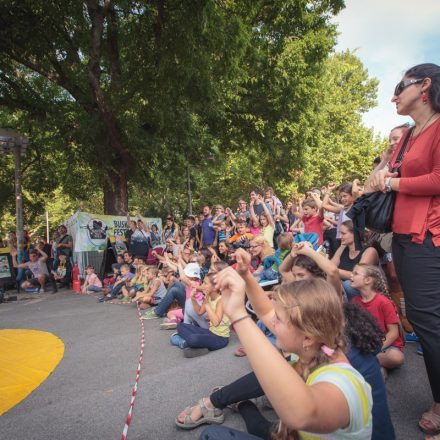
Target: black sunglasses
404 84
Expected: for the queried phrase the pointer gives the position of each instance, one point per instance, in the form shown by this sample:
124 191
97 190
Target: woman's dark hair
308 264
362 330
345 188
431 71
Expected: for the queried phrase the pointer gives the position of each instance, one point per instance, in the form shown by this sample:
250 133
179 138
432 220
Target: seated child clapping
201 340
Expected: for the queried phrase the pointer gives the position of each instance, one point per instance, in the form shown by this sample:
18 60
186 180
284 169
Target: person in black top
346 257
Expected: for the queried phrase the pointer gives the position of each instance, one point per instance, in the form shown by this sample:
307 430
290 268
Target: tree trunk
115 191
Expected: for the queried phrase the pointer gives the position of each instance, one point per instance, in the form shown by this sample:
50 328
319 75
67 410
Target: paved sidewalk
88 394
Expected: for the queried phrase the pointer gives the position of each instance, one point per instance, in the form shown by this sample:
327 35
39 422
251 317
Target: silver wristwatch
388 184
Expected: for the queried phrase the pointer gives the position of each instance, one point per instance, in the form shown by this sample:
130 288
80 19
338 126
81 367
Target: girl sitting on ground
364 338
154 290
374 298
92 283
201 340
322 393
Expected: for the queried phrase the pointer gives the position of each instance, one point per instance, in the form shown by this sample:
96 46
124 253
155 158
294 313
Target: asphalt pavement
88 395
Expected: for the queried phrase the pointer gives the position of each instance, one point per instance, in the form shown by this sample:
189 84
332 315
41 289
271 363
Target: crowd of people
310 305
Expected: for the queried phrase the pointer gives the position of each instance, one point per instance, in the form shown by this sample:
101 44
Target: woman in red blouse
416 219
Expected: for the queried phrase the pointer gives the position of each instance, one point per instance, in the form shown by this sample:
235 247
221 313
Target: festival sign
93 230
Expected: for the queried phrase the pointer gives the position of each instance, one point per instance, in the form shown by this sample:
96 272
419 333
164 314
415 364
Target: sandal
209 416
240 352
433 420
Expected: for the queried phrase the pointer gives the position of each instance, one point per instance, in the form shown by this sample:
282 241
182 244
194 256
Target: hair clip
327 350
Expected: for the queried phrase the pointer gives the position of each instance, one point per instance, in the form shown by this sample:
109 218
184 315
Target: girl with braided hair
374 298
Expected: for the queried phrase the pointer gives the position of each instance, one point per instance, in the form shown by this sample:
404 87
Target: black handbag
375 210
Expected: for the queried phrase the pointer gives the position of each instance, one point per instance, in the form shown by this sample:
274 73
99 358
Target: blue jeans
350 291
175 292
94 289
198 337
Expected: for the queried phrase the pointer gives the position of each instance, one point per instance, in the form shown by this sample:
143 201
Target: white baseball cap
192 270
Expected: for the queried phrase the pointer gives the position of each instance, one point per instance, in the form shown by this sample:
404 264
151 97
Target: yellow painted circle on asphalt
27 357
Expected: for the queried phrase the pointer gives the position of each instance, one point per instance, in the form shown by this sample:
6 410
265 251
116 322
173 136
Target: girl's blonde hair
379 282
266 249
140 268
314 308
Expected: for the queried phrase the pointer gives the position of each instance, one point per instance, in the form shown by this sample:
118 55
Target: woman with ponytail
321 393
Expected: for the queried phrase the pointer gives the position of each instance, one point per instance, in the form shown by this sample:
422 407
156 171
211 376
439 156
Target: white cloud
390 36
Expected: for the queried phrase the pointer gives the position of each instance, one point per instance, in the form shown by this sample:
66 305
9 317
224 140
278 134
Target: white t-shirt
37 268
356 391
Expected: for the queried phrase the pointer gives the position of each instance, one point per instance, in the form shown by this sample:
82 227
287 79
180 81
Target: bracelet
239 319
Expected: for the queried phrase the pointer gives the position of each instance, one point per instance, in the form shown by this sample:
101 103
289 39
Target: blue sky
389 37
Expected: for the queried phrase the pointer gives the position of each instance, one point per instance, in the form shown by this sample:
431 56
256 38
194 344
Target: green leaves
118 97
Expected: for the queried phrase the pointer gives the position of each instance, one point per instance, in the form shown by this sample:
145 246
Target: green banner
91 231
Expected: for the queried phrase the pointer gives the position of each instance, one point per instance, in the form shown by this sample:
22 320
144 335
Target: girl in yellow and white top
200 340
321 396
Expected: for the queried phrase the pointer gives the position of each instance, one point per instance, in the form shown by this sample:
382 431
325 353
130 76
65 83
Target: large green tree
114 93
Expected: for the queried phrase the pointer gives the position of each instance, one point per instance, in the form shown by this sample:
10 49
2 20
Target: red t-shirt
314 223
384 312
417 206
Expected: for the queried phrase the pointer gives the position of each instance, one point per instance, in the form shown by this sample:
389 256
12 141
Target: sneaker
419 350
168 325
194 352
149 314
120 296
101 298
42 290
178 341
411 337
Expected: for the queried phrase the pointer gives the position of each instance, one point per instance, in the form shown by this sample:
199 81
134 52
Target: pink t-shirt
188 289
93 280
255 231
314 223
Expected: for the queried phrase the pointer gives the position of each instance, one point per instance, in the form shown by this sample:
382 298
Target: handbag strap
399 158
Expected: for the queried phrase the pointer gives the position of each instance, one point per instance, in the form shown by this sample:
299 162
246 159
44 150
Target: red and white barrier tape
138 373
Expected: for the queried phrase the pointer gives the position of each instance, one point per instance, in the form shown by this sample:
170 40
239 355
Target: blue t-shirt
368 366
208 231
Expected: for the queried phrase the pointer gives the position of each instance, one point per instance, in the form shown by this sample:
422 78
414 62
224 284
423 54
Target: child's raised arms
326 265
321 407
261 303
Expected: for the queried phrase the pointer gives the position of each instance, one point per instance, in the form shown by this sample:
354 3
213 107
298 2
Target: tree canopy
118 97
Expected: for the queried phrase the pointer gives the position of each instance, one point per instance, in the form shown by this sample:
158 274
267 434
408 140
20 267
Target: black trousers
244 388
418 270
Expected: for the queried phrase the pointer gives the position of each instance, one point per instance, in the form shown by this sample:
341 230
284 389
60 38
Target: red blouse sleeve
426 184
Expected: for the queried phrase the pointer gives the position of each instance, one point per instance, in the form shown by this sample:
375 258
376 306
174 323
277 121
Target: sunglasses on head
404 84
